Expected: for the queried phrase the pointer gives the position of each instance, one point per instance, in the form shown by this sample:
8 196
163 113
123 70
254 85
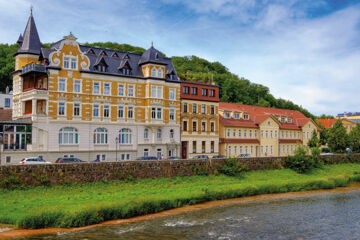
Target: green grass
85 204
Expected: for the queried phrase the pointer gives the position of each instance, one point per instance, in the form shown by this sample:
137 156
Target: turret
29 45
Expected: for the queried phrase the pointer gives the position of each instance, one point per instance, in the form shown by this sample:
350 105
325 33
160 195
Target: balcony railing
33 67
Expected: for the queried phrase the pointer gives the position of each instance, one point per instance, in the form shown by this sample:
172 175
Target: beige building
259 131
199 119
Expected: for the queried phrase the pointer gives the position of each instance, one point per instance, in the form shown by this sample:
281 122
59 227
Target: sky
306 51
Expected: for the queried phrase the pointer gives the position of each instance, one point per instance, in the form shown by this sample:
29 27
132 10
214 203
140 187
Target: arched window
100 136
153 72
146 133
171 133
160 73
159 133
125 136
68 135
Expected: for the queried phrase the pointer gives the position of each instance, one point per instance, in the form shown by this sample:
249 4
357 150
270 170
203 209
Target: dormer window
227 115
246 116
126 57
237 116
157 56
153 72
115 55
289 120
125 71
282 119
91 51
103 53
160 73
101 68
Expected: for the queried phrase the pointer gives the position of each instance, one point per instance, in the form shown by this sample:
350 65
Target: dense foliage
7 64
85 204
232 87
337 138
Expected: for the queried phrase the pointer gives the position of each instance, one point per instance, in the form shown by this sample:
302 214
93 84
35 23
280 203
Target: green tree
354 139
314 141
337 138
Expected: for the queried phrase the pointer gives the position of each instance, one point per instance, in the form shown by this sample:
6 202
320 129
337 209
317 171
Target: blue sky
307 51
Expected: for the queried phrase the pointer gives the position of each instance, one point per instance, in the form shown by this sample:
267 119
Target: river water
328 216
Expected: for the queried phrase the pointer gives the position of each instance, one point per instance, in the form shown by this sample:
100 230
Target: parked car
147 158
326 153
173 158
219 157
201 157
34 160
245 155
68 160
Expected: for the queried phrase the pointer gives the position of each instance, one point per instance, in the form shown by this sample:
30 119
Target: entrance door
184 150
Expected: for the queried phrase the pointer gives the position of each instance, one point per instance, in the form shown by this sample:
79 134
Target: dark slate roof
31 41
152 55
114 63
20 40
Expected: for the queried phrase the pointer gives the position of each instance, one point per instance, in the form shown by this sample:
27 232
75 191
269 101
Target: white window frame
79 109
109 93
67 137
100 137
171 114
172 94
132 87
159 133
106 107
160 73
98 110
125 135
65 84
99 88
153 72
59 109
121 90
130 111
146 133
75 85
120 110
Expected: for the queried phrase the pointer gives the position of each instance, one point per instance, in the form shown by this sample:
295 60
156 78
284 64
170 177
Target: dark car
173 158
219 157
246 155
68 160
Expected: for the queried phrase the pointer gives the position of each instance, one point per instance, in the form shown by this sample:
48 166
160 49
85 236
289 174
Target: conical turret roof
152 55
31 41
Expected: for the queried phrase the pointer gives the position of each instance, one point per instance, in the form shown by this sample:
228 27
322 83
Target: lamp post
116 144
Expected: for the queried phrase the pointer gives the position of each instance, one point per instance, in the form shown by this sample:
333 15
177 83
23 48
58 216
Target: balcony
34 68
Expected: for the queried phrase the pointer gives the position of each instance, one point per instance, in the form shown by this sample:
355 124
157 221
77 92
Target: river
327 216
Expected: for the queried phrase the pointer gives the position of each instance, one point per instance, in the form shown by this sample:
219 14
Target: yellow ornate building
94 103
260 131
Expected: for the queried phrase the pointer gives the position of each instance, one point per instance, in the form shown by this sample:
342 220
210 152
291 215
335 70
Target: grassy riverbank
85 204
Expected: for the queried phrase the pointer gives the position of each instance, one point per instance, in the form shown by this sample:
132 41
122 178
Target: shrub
300 162
232 168
200 171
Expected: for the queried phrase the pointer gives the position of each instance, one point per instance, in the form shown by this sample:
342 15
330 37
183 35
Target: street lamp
116 143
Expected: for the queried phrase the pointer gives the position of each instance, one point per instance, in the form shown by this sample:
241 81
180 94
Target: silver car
34 160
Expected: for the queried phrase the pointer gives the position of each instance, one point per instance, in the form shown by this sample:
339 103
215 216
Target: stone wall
54 174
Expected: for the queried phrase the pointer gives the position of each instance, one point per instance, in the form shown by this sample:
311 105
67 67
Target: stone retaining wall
55 174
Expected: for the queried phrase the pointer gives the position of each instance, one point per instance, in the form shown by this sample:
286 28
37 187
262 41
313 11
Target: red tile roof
260 114
230 122
239 140
5 114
